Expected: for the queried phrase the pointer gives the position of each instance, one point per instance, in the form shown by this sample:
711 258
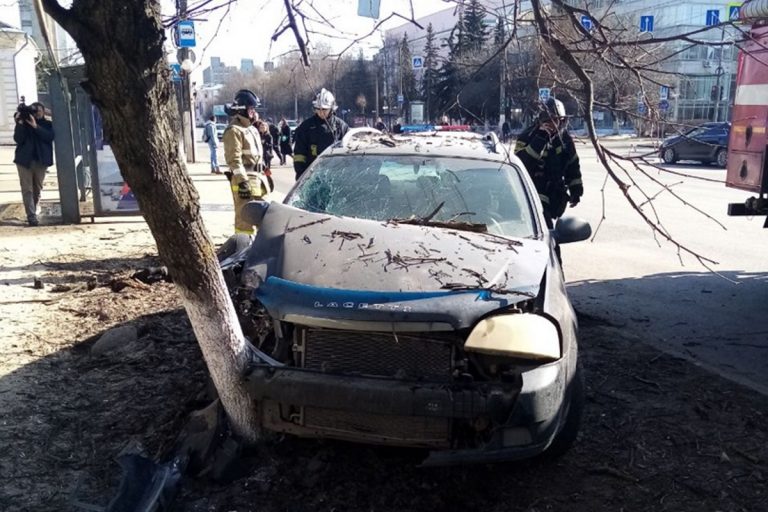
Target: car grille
421 356
394 430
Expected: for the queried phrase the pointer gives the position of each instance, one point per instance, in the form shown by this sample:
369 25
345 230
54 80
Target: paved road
664 295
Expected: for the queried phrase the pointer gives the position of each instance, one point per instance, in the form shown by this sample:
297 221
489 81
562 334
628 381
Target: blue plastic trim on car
276 290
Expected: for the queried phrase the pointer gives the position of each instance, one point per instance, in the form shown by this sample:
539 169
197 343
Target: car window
402 187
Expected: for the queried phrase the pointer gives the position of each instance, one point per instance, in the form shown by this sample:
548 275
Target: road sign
646 23
663 92
368 8
186 33
400 98
418 62
586 22
176 72
734 11
543 93
218 110
641 107
713 17
664 105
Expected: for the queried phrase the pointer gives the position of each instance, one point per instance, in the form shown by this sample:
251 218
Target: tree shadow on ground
658 434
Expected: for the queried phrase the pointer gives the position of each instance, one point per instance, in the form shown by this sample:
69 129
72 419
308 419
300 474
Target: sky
245 31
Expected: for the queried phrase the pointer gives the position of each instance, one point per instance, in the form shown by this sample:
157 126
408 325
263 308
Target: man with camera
34 154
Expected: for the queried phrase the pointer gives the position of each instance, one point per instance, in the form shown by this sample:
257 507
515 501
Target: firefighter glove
244 190
576 191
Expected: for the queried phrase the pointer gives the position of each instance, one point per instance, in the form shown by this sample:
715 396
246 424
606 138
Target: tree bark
129 80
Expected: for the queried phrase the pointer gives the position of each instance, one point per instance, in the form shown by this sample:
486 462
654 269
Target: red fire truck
748 145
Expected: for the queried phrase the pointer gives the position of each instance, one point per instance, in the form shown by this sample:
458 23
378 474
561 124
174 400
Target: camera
25 112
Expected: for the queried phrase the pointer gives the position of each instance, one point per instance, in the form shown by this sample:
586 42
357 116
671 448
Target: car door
709 142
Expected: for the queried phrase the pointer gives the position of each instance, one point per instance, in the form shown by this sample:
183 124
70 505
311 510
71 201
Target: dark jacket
34 144
285 139
312 137
554 167
275 133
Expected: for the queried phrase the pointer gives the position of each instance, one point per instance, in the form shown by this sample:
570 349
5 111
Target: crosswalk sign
544 93
734 11
176 72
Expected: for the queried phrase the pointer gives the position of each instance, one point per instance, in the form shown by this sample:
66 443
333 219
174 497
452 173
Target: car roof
456 144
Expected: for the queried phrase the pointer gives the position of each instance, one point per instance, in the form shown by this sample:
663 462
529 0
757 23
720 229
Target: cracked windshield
460 193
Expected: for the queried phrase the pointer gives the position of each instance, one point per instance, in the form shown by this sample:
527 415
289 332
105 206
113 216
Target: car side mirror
571 229
253 212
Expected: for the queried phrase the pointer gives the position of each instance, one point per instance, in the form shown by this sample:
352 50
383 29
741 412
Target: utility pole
719 72
400 65
185 107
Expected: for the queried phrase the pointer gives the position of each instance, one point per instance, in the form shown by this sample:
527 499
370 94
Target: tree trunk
129 80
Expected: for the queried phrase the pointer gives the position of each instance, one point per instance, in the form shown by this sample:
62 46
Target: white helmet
554 108
324 100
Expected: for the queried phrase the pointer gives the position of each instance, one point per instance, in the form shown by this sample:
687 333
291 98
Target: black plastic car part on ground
407 294
707 143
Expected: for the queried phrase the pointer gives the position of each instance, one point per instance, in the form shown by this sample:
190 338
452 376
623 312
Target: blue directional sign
734 10
713 17
664 105
646 23
663 92
544 93
176 72
400 98
418 62
586 22
186 33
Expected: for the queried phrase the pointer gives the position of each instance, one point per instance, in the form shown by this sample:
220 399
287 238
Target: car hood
319 264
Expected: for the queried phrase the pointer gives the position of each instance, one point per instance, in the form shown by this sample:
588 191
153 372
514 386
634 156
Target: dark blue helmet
244 99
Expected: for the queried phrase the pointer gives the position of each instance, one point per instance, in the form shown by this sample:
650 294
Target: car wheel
669 156
570 431
721 159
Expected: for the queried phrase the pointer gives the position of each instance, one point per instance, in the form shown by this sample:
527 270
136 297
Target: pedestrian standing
33 135
210 137
267 144
285 140
317 133
243 154
275 134
549 154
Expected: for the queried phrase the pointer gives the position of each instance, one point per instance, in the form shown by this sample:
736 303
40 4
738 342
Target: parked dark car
408 292
707 143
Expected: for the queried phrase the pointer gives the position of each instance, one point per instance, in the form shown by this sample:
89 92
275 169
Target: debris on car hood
304 262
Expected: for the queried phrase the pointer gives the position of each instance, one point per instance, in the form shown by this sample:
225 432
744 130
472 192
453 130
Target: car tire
721 158
669 156
570 431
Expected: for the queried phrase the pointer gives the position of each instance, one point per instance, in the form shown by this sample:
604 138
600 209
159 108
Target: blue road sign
400 98
713 17
368 8
418 62
664 105
663 92
176 72
646 23
640 107
586 22
734 10
543 93
186 32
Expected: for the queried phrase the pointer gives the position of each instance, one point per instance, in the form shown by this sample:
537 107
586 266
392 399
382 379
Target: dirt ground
659 433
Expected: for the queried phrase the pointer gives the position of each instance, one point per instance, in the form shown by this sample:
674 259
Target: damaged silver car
407 292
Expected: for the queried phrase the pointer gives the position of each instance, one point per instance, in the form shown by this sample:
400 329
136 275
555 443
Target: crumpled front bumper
524 416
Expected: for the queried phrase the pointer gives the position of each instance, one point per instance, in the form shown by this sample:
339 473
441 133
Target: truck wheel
721 158
669 156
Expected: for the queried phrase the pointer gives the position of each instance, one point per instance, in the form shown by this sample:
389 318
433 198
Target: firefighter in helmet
243 154
548 153
317 132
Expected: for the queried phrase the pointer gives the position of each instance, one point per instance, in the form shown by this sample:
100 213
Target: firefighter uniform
553 165
312 137
243 154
